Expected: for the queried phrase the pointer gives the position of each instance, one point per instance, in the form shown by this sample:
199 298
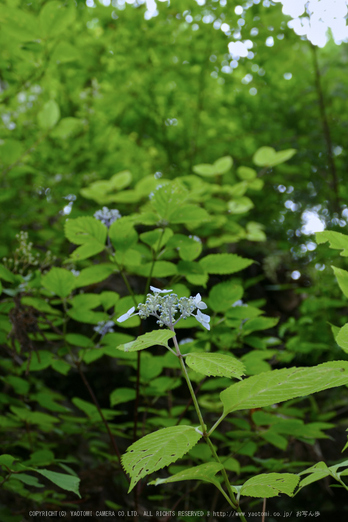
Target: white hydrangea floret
127 315
158 291
199 303
203 319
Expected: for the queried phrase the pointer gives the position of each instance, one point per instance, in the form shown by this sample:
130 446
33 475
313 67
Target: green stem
231 499
220 419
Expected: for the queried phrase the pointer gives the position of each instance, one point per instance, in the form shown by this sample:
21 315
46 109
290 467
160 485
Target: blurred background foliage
89 89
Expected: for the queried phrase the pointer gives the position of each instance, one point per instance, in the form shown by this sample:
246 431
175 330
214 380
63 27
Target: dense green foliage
138 155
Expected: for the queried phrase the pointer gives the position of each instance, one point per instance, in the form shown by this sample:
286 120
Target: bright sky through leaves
313 19
310 18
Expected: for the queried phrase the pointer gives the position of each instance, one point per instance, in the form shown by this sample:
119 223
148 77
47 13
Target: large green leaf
188 215
269 485
216 364
276 386
342 279
336 240
157 337
220 166
40 304
223 295
187 247
121 395
59 281
87 250
85 229
7 275
94 274
268 157
122 234
43 420
66 482
157 450
224 263
223 164
259 323
205 472
321 470
342 338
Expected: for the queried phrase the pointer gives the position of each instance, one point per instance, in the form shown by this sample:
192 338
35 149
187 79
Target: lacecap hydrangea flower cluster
167 307
107 216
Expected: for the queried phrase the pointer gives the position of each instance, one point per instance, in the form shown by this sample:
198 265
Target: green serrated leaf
87 250
316 472
336 240
59 281
157 450
259 323
342 279
269 485
87 300
342 338
276 386
224 263
215 364
188 214
223 295
85 229
157 337
188 247
156 238
40 304
94 274
122 234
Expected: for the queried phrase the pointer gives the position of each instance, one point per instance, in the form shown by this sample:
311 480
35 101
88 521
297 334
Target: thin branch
326 131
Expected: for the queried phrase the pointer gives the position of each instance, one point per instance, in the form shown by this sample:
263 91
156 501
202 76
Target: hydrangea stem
231 498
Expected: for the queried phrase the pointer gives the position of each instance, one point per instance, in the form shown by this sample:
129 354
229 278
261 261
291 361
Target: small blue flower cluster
106 216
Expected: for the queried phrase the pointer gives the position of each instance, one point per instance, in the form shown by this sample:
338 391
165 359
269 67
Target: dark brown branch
326 131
